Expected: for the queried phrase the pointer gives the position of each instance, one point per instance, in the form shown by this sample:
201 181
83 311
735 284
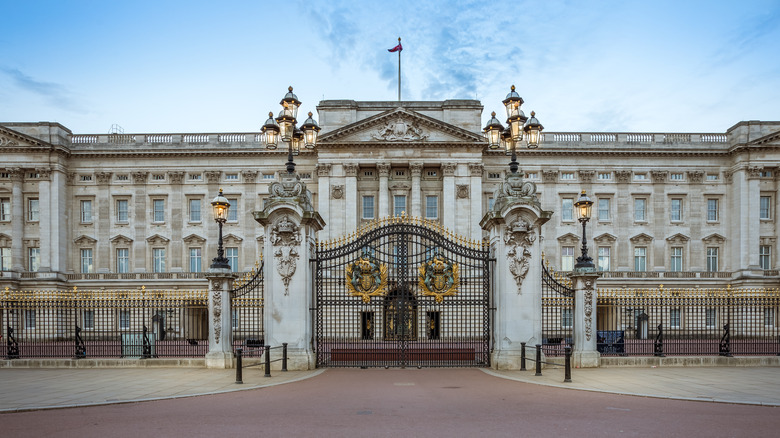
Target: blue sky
191 66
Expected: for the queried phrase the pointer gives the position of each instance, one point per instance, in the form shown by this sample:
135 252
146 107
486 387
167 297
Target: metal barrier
266 361
538 361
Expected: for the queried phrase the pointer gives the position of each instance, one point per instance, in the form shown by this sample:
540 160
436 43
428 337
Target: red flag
397 48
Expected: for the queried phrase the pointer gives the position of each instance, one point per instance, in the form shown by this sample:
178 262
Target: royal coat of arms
439 278
367 278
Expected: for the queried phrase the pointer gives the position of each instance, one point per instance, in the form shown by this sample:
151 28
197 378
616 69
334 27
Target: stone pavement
41 388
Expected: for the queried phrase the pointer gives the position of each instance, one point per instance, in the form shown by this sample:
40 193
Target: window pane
121 210
676 212
765 208
712 209
712 259
710 318
567 318
5 209
195 260
640 259
5 259
233 210
566 209
159 210
34 259
32 209
567 258
194 210
124 319
122 260
399 205
368 207
674 318
764 257
86 260
232 255
159 259
86 211
676 262
89 319
432 207
639 209
603 258
603 209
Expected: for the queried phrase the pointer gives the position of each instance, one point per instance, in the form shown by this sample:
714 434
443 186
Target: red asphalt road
410 403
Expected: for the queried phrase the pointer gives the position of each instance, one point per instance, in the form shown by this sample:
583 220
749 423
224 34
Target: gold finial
143 290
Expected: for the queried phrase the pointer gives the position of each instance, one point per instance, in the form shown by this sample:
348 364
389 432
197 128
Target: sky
208 67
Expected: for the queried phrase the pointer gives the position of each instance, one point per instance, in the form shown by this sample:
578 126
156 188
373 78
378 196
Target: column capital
416 168
176 176
476 169
623 176
586 175
323 169
103 177
249 176
16 173
550 176
140 177
351 169
44 173
213 176
448 169
659 176
754 172
384 169
695 176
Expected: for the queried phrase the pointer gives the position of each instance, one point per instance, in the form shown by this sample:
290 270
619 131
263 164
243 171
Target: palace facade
119 211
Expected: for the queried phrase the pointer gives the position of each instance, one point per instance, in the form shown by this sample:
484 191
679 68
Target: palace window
29 319
765 205
122 260
33 259
712 177
196 177
676 263
86 211
234 319
194 210
431 207
640 259
195 259
268 176
32 210
368 207
566 209
86 178
765 257
494 175
158 259
122 178
769 316
676 176
675 318
605 176
567 175
640 177
604 209
88 319
432 173
766 174
400 173
86 261
231 254
640 209
233 211
567 258
399 205
532 175
5 259
567 318
676 213
231 177
124 319
712 259
158 177
603 262
368 173
158 208
305 175
712 210
121 210
5 209
710 317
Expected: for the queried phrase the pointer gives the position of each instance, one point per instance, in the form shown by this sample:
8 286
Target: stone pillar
585 354
45 218
350 197
416 210
448 196
290 224
220 353
141 217
323 192
515 224
179 216
18 220
384 199
102 222
475 170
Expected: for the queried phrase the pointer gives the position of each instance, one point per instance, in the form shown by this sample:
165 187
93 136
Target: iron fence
693 322
246 312
557 311
76 323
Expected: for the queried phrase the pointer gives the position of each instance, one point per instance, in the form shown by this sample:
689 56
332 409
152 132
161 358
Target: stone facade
117 210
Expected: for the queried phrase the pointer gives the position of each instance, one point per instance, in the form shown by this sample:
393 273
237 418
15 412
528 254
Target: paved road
411 402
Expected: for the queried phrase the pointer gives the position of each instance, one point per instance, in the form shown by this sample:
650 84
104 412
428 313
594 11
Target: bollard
239 376
267 361
538 360
567 372
284 356
522 356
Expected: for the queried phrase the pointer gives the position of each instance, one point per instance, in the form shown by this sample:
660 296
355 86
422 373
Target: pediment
399 126
641 238
605 238
157 239
772 139
85 240
10 139
714 238
5 240
121 239
232 239
678 238
569 239
194 238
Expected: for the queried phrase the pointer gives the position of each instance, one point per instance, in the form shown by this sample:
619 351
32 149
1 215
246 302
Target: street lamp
221 207
519 129
284 127
583 206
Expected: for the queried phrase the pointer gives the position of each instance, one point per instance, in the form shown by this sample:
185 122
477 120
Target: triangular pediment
10 139
232 239
85 240
772 139
569 239
678 238
121 239
641 238
713 238
5 240
194 239
399 126
605 238
157 239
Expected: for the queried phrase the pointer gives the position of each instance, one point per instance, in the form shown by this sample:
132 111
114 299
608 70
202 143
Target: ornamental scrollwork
367 278
217 305
438 278
337 192
288 187
400 130
286 237
6 141
588 309
520 237
462 191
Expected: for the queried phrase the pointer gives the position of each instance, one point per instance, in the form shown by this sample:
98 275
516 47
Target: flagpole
399 70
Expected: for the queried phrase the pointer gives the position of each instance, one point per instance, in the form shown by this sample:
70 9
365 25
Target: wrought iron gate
246 312
557 311
402 292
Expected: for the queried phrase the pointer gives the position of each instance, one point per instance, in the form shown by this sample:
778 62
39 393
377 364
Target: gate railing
246 312
75 323
557 311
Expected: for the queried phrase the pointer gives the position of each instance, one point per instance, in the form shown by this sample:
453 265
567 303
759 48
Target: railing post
725 342
522 356
239 366
567 371
538 360
284 356
658 345
267 361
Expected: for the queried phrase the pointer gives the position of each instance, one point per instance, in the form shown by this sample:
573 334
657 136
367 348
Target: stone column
141 217
102 222
323 193
248 228
476 170
622 259
350 197
448 195
416 210
290 224
45 218
220 353
18 219
179 217
750 226
656 260
213 178
514 225
585 354
384 199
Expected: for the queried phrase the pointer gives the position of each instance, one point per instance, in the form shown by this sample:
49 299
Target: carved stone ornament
337 192
462 191
5 141
249 176
659 176
351 169
400 130
286 237
586 175
695 176
217 304
520 237
754 172
384 169
623 176
476 169
416 169
176 176
213 176
288 187
549 176
588 309
448 169
44 173
103 177
323 169
140 177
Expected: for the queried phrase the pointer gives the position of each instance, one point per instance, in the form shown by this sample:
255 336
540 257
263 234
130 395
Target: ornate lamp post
221 207
519 129
284 128
583 206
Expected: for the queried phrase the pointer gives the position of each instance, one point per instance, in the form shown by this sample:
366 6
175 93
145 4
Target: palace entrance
402 292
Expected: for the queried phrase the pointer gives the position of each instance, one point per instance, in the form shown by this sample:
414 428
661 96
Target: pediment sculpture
400 130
